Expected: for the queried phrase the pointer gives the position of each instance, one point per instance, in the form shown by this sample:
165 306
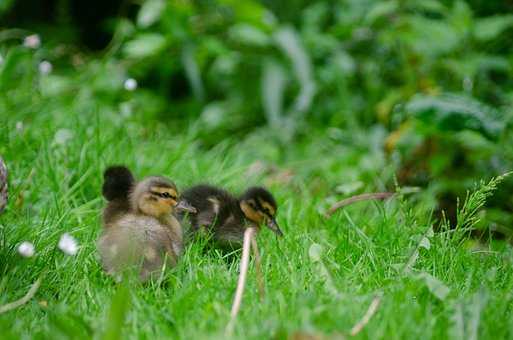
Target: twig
373 307
15 304
258 269
358 198
248 235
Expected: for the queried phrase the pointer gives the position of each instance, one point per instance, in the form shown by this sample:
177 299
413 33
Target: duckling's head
157 197
259 206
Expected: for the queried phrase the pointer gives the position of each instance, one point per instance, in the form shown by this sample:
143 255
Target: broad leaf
246 34
192 71
273 88
435 286
145 45
456 113
491 27
289 42
150 12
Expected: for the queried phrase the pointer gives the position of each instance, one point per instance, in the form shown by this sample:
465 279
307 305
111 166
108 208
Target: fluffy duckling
140 228
225 216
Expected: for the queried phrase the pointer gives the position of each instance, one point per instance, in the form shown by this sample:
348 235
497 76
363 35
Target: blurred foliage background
429 82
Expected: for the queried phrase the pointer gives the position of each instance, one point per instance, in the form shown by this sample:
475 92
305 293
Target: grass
320 278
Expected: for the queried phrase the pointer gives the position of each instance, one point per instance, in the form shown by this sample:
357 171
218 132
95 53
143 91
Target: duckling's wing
210 203
200 196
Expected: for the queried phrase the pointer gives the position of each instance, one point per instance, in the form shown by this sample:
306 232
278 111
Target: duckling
139 226
225 216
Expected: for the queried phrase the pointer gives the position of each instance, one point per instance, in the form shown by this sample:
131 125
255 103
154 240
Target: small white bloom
26 249
45 67
130 84
19 126
32 41
68 244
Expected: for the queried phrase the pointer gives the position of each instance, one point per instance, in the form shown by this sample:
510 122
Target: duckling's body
140 229
136 240
225 216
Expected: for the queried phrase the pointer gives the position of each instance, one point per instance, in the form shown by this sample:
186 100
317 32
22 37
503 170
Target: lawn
318 101
319 279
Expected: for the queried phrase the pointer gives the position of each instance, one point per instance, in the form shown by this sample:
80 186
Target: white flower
19 126
130 84
32 41
68 244
26 249
45 67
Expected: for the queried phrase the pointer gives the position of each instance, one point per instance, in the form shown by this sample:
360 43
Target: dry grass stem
358 198
373 307
15 304
248 235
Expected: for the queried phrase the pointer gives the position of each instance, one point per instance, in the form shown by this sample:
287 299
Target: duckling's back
118 182
217 211
138 241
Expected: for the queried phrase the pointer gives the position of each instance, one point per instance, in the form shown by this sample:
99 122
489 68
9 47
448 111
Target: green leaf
246 34
273 88
451 112
315 252
145 45
428 37
5 5
117 313
435 286
250 11
192 71
14 64
289 42
381 9
491 27
425 243
150 12
433 6
349 187
466 316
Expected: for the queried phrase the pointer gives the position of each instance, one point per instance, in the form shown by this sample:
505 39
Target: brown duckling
140 228
226 217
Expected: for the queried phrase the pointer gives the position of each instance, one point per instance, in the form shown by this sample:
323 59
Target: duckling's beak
185 206
273 225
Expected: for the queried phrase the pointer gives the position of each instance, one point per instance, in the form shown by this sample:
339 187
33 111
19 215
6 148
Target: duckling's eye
168 195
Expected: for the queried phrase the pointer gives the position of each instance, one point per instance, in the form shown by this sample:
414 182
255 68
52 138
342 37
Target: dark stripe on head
259 193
